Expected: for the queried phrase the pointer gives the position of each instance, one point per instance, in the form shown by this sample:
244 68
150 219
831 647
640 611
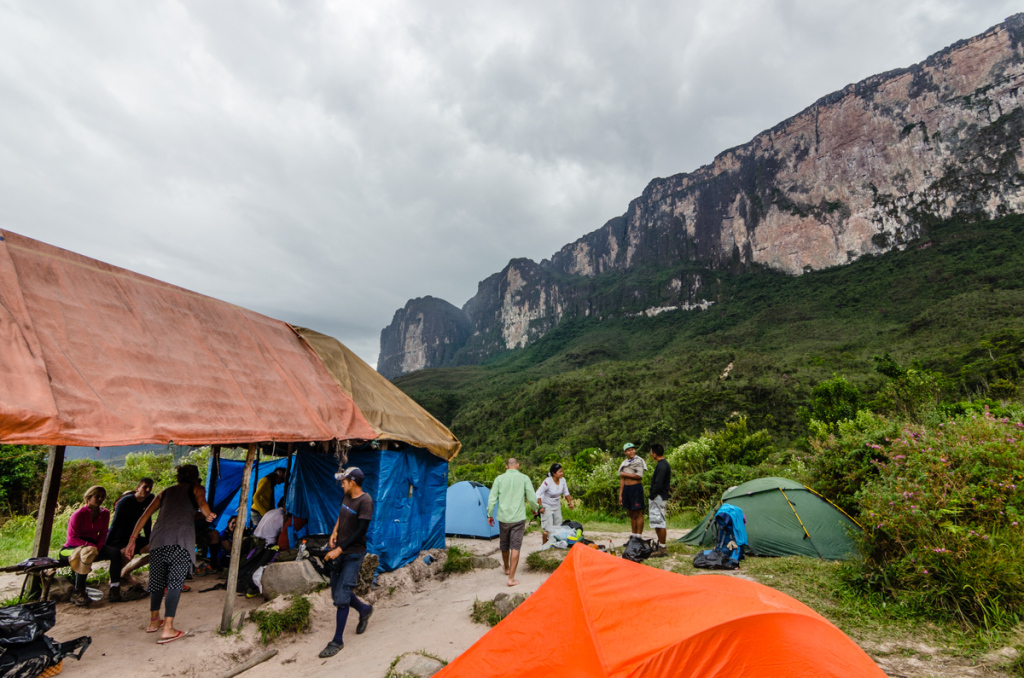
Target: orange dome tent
598 615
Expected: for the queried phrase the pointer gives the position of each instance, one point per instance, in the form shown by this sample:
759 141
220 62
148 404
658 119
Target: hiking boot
80 599
331 649
135 592
364 619
114 594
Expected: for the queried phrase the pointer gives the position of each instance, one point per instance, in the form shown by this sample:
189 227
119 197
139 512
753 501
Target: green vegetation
893 386
547 560
940 305
485 612
459 560
292 619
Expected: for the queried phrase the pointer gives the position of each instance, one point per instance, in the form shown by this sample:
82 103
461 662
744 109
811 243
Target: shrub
485 612
845 456
832 401
945 530
458 560
21 475
292 619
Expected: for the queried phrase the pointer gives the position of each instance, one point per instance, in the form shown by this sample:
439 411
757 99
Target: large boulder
294 578
505 603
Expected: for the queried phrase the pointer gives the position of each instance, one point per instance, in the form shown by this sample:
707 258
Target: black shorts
633 497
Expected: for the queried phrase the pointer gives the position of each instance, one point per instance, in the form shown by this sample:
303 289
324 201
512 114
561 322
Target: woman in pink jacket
88 528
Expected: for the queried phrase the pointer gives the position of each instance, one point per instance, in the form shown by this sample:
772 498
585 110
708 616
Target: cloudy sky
323 162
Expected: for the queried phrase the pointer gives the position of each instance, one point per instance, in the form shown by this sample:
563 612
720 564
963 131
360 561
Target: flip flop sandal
164 641
157 628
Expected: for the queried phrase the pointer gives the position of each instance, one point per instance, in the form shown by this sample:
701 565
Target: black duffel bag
714 560
21 624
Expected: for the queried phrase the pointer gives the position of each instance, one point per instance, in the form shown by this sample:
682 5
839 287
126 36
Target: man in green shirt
512 491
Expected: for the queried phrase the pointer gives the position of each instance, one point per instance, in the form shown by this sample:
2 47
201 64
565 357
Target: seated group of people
94 536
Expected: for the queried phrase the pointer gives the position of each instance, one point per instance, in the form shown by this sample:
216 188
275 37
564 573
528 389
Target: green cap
627 446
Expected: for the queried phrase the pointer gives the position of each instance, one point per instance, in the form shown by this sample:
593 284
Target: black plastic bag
573 524
714 560
28 660
639 549
25 623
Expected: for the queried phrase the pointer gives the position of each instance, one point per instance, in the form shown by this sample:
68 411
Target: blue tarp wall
409 489
229 486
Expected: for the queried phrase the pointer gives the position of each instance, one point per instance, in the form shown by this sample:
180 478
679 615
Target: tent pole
236 542
806 533
47 507
214 475
288 480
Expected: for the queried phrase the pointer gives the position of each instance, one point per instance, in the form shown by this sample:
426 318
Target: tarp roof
97 355
599 615
393 414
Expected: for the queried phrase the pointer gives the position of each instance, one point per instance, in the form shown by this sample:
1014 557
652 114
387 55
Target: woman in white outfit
549 498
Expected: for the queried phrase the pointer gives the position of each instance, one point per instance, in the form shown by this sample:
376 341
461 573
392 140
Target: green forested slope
952 301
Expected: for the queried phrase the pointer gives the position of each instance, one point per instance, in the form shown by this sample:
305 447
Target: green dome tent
784 518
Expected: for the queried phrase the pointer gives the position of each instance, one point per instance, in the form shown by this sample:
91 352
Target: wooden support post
259 453
236 542
47 507
211 482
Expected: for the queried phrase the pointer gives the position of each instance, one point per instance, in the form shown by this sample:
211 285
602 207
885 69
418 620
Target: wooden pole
288 480
47 507
236 542
258 659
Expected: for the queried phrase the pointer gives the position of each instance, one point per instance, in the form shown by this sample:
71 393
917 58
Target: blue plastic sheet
408 489
229 486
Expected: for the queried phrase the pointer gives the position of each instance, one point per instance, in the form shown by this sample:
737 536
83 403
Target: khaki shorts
657 515
551 518
510 535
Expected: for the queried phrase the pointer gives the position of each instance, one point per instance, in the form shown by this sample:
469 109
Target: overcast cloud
324 162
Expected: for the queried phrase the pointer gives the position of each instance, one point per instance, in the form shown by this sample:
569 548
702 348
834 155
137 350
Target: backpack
639 549
714 560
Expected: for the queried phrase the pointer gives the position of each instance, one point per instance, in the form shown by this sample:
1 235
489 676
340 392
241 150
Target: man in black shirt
660 482
348 548
127 511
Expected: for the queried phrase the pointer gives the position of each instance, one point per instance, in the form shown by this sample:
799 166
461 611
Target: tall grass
17 533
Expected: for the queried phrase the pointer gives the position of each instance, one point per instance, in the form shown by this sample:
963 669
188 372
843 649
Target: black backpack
639 549
714 560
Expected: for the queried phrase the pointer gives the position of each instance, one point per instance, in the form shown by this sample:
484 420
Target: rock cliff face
861 171
426 333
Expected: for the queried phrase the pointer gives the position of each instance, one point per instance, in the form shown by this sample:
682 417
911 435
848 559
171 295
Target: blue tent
229 486
467 511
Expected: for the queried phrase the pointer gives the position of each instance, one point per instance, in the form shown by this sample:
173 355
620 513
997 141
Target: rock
370 563
60 590
504 603
856 173
416 665
285 579
484 563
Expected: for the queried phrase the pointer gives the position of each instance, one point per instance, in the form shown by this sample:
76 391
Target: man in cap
515 492
631 492
348 547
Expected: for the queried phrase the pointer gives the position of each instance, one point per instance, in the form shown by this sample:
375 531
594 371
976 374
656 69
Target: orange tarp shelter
96 355
599 615
393 414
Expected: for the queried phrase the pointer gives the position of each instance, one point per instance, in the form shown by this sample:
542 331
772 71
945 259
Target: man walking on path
515 492
660 484
631 492
348 548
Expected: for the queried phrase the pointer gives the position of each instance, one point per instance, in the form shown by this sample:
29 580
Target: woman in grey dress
172 547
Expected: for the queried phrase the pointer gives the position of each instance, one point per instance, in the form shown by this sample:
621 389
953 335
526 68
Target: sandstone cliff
861 171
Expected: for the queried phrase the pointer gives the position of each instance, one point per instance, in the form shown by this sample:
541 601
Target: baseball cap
351 473
627 446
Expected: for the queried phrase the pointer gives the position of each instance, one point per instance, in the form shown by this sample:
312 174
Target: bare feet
505 570
513 582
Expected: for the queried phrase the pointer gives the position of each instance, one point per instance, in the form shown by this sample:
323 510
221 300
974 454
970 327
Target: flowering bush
943 519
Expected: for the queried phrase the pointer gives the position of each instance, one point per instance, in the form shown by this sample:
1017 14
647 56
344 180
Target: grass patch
485 612
596 520
547 560
458 560
292 619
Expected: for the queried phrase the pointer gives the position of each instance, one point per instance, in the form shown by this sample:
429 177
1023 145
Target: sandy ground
413 611
431 614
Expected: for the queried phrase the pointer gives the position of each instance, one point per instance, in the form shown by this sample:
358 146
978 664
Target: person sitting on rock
272 524
127 511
